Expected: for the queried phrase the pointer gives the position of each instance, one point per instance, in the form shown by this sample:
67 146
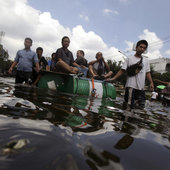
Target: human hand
82 66
151 86
110 80
37 70
10 70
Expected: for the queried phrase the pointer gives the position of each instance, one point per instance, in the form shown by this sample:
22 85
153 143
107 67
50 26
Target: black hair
64 38
82 52
98 53
29 39
52 54
142 42
39 48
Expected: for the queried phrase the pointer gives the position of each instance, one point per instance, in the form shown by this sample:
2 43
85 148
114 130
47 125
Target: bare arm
37 67
12 66
75 64
121 71
107 66
162 82
92 62
148 76
47 68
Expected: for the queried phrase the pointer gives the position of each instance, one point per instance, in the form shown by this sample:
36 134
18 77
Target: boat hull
76 85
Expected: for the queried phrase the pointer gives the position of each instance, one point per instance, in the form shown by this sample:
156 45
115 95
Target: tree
115 67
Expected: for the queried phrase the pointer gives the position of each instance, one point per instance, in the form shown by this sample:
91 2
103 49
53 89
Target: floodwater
43 130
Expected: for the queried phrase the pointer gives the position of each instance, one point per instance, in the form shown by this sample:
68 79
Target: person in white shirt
134 88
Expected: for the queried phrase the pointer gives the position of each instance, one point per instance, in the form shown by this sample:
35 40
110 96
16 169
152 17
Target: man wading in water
134 88
24 61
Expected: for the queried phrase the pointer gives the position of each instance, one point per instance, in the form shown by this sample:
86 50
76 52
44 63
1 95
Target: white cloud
167 52
86 18
116 12
18 20
109 11
130 45
155 44
91 43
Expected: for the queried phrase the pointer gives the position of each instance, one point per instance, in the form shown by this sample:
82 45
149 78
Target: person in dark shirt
43 64
64 58
80 60
82 63
42 61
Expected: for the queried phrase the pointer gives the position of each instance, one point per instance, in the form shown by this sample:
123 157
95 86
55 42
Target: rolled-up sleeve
57 55
17 57
72 59
35 58
124 66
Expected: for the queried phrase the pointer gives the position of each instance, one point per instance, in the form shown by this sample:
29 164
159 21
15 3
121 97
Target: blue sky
93 25
126 19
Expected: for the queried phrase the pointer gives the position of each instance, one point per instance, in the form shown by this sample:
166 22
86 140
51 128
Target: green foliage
115 67
163 77
5 65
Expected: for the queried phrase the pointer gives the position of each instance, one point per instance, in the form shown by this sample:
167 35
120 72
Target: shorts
134 97
83 70
22 76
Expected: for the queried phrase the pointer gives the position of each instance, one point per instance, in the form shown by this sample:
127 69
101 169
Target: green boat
70 83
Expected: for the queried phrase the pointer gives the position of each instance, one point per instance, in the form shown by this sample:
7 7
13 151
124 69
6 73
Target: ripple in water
42 129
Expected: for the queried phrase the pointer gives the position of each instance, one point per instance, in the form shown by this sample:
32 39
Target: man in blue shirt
51 62
24 60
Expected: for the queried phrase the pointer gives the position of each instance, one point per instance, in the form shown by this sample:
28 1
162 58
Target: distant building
160 65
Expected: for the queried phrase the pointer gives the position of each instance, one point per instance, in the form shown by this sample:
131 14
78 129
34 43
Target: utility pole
2 34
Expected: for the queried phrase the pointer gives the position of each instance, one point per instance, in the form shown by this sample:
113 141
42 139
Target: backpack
135 68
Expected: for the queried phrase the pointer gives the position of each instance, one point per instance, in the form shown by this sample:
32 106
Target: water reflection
61 131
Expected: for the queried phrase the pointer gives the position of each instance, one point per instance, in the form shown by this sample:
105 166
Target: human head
141 46
142 42
52 56
80 53
65 42
99 55
28 42
39 51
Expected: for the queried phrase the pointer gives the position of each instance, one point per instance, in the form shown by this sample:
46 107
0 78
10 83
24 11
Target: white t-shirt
154 95
137 81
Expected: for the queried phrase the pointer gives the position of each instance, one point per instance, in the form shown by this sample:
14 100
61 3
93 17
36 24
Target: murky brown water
41 129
